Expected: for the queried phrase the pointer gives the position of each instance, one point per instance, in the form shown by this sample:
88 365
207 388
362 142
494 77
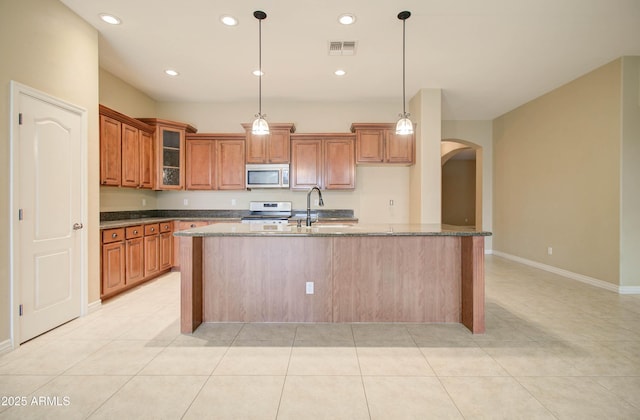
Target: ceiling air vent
342 47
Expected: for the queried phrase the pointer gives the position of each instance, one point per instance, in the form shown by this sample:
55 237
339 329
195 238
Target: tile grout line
364 389
286 373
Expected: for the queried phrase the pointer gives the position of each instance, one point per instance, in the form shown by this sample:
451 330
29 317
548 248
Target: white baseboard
629 290
5 346
571 275
94 306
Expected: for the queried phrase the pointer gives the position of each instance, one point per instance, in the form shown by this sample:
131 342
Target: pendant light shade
260 125
404 125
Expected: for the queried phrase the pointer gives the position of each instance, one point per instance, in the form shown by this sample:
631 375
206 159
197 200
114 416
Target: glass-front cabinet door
171 176
169 153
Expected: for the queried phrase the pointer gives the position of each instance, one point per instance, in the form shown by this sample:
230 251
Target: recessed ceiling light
347 19
258 73
110 19
171 72
228 20
340 72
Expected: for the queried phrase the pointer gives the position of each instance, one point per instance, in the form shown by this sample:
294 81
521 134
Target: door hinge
20 309
19 214
20 118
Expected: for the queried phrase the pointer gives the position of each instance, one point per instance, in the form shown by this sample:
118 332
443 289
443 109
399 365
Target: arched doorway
461 163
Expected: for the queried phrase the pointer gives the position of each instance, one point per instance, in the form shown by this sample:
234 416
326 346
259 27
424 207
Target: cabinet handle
166 226
153 229
193 225
114 235
135 232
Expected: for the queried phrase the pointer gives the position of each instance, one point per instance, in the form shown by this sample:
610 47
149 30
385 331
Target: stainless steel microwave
268 175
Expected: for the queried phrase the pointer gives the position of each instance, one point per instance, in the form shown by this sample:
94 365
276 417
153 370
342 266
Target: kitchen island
234 272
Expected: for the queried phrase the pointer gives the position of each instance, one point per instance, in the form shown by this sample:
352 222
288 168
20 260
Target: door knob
77 226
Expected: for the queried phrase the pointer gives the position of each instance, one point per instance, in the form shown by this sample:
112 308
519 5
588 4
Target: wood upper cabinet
200 173
339 163
130 156
126 150
272 148
325 160
110 151
378 143
230 164
400 148
169 146
215 162
306 163
146 160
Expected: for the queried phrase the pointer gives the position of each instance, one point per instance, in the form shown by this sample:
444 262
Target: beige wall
630 174
47 47
459 192
425 176
556 180
121 96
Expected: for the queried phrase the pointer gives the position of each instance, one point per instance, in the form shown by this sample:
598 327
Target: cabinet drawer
166 227
191 224
134 232
151 229
112 235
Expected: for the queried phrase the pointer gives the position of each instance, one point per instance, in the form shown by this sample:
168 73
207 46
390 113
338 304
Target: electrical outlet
316 202
309 287
144 202
185 201
391 203
549 251
233 202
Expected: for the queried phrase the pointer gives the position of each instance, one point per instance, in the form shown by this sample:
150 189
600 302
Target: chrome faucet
320 203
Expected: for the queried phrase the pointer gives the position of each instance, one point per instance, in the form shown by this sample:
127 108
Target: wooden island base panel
407 273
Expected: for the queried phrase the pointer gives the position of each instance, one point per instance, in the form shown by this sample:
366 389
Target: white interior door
49 198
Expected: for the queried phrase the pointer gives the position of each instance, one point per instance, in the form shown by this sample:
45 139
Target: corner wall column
425 187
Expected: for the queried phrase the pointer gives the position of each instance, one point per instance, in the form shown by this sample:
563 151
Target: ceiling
487 56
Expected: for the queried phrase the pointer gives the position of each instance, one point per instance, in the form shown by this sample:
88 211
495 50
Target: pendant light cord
404 99
260 67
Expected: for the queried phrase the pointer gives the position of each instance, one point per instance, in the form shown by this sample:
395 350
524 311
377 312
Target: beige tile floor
554 348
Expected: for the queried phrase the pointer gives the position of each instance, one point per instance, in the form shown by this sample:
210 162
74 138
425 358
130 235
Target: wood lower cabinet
326 160
378 143
113 260
183 225
134 254
151 249
134 260
215 162
166 246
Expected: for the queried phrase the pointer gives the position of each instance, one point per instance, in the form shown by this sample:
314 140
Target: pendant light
404 125
260 125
